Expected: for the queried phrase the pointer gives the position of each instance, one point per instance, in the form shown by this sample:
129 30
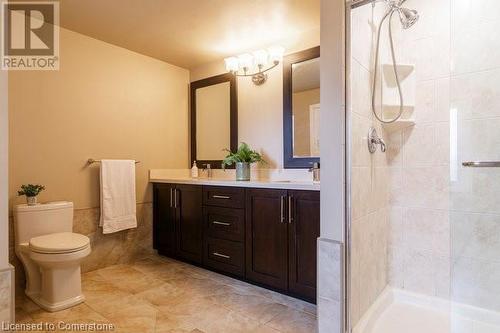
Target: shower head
408 17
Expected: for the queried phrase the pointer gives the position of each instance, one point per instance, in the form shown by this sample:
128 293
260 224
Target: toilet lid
64 242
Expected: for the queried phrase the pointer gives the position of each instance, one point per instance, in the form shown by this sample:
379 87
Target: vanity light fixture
256 64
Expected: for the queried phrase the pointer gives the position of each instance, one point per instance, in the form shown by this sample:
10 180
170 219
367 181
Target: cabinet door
164 219
303 232
189 222
266 237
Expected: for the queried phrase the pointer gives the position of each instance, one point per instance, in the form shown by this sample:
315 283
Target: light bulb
231 64
276 53
246 61
260 58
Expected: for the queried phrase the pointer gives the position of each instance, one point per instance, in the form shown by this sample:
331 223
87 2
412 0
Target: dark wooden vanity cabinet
189 217
303 232
282 228
224 226
265 236
177 216
164 219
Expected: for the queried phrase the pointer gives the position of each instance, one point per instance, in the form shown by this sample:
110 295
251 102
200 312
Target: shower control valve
374 140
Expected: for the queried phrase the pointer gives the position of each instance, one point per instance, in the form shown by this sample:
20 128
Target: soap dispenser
194 170
316 172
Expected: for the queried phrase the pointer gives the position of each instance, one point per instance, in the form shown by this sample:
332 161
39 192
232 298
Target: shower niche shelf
390 96
398 125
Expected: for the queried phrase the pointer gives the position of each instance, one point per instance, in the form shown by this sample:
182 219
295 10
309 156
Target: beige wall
332 128
105 102
6 300
301 102
4 136
260 108
332 136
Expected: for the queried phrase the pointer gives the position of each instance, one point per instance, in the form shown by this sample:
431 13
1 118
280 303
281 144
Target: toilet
51 254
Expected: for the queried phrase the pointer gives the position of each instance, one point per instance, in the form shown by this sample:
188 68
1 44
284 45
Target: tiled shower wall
369 176
443 220
419 159
475 192
400 224
107 250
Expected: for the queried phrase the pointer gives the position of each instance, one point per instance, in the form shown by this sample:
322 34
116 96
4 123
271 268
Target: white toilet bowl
51 260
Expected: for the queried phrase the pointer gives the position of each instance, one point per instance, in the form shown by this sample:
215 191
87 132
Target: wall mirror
301 108
214 122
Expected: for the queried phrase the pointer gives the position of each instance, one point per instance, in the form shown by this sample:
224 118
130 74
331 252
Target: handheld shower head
408 17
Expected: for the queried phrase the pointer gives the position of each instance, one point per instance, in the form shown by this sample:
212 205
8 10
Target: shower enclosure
423 235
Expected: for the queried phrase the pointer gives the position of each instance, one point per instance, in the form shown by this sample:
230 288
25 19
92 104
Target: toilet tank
42 219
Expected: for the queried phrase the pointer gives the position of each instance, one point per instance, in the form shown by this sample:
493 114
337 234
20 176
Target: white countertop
278 180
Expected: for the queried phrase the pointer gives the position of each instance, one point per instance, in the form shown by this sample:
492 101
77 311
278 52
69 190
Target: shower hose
389 14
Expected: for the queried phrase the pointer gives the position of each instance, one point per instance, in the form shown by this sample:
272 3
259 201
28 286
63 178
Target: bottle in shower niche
194 170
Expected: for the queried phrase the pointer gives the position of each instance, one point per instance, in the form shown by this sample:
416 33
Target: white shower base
398 311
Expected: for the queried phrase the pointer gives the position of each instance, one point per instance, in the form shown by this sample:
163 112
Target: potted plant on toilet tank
31 192
242 158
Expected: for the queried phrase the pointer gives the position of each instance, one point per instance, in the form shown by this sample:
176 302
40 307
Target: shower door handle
482 164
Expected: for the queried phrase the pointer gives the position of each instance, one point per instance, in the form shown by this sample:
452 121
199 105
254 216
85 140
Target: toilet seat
59 243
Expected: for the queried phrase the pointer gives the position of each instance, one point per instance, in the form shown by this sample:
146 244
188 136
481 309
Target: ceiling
189 33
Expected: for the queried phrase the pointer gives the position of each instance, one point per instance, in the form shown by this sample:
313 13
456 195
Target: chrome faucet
315 171
208 169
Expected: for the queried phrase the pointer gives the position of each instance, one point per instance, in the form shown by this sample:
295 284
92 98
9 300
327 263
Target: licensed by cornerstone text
58 326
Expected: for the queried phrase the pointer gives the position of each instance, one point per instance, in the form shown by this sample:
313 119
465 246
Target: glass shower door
475 165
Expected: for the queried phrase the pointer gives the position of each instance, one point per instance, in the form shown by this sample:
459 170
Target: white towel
118 204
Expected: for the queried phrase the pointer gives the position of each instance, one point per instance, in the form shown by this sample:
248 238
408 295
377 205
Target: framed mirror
214 119
301 108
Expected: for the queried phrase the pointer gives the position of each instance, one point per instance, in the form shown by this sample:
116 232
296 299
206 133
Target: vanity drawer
224 223
225 256
223 196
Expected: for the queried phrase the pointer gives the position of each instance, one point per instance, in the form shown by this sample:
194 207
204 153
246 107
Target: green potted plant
243 157
31 191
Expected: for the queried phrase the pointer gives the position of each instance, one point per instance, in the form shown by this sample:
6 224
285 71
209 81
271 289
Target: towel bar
92 161
482 164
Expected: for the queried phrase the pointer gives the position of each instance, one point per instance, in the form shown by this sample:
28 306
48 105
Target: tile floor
161 295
